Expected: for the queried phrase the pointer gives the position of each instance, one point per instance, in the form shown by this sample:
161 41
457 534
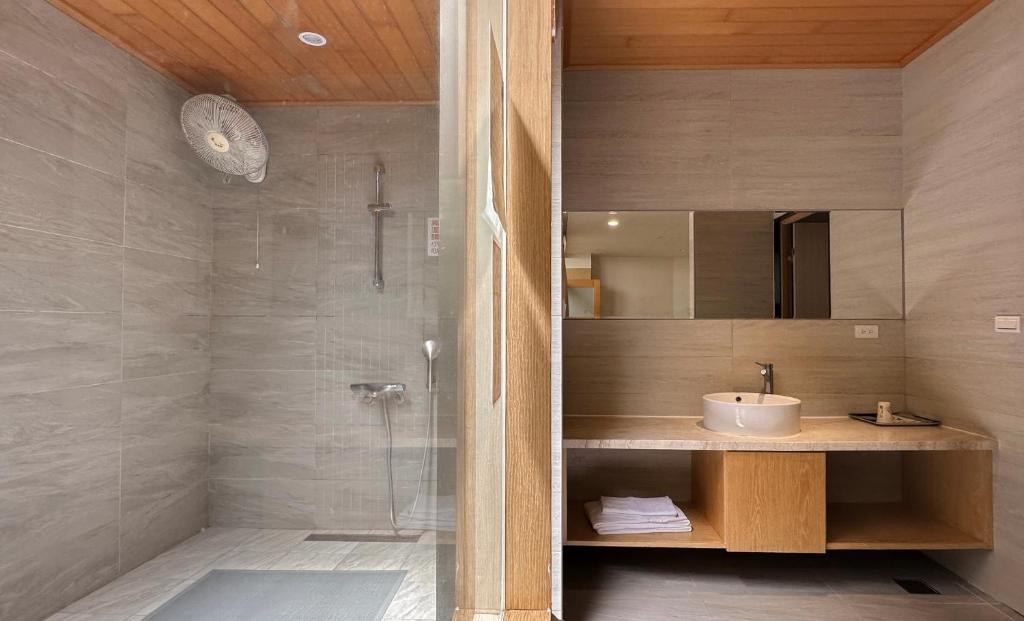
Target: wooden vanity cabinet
770 494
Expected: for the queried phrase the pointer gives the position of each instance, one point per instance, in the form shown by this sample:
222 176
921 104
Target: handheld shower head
431 349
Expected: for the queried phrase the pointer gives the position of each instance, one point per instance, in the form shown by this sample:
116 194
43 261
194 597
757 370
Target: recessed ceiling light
613 213
613 223
313 38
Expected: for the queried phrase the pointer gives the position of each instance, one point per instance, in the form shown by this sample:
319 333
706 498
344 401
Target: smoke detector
313 38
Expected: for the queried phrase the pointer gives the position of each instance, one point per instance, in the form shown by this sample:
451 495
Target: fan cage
248 149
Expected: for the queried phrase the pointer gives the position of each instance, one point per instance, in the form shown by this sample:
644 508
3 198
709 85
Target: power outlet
865 332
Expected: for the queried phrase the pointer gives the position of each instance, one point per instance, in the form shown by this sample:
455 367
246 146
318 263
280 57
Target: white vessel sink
752 414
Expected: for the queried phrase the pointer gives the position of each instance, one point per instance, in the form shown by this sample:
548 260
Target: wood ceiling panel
378 51
682 34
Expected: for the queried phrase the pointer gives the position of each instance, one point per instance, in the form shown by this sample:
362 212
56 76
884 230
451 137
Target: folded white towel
639 506
600 517
612 524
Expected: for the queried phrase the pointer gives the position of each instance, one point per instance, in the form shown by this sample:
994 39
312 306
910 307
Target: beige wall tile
786 140
811 337
662 368
653 338
866 261
963 191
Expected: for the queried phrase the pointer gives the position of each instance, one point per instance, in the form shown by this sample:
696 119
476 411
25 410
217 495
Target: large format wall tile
47 193
47 272
41 112
290 445
963 191
159 283
174 221
778 140
104 314
162 344
263 503
70 411
283 343
347 129
49 351
662 368
655 143
262 397
37 33
177 401
813 173
53 557
163 499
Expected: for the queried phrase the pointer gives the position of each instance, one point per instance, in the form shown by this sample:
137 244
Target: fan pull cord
257 235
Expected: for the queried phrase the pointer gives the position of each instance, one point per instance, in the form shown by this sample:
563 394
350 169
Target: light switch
865 332
1008 324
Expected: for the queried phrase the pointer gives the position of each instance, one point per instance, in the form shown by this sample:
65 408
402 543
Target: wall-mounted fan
225 136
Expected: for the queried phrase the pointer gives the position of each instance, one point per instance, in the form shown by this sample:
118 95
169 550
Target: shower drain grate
916 587
365 538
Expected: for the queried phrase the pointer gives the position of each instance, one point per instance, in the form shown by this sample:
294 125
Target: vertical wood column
528 278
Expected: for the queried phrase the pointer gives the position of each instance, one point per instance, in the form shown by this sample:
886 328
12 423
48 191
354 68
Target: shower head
431 349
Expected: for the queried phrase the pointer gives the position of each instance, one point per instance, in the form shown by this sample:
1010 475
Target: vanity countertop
817 434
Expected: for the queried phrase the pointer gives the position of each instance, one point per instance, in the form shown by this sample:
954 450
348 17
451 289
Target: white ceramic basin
752 414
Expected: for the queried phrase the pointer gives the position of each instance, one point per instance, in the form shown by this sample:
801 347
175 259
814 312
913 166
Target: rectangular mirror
734 265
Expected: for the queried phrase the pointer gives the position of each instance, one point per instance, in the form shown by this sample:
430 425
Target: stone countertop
817 434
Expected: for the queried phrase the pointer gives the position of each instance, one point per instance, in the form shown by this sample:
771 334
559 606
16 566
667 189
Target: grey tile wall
963 194
289 445
105 299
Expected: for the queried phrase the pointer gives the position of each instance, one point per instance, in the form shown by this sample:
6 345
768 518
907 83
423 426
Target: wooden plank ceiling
688 34
378 51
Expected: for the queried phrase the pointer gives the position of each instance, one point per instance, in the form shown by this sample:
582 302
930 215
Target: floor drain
917 587
365 538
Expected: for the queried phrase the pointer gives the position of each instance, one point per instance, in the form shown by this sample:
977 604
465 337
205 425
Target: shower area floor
144 589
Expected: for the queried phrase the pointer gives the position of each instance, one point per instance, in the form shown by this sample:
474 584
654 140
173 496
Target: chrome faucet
768 373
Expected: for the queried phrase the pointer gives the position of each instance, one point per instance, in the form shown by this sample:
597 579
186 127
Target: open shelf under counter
892 526
838 433
580 533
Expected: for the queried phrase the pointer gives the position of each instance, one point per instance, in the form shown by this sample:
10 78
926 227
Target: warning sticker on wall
433 237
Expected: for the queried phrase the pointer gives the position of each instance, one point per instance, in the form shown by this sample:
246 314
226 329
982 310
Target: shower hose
392 514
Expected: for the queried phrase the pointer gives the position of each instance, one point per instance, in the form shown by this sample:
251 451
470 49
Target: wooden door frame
527 476
528 294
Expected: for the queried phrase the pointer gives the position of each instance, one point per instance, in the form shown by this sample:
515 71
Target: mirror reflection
734 265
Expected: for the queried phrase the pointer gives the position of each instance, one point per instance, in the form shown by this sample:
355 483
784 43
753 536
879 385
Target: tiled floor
690 585
143 590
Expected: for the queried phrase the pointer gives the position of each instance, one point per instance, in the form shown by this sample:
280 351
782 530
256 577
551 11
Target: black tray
903 419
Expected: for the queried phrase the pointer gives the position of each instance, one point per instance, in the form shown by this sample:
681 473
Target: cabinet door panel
774 502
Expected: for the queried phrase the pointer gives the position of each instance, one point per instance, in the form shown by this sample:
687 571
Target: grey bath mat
257 595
